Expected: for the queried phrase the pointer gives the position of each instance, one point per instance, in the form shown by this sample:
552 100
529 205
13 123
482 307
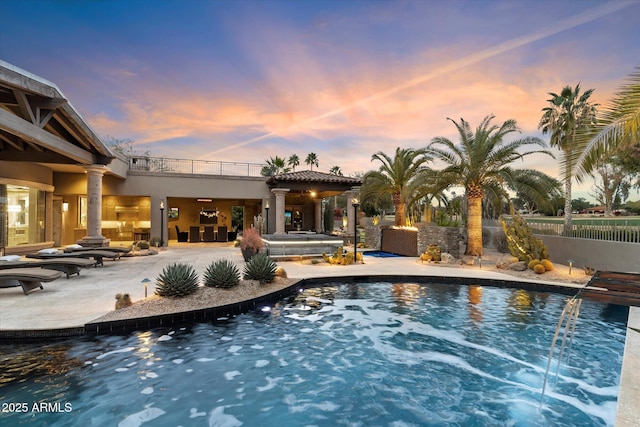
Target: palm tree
312 159
293 161
400 177
569 113
480 164
275 166
335 170
618 127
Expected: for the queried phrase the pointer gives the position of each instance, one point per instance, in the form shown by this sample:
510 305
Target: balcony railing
195 167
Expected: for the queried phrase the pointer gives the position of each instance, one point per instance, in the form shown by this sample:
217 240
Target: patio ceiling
38 124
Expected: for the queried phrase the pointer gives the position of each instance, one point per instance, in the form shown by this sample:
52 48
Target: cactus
548 265
539 268
177 280
533 263
261 268
221 274
522 243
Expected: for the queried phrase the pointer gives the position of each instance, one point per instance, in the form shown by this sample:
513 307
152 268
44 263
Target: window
22 213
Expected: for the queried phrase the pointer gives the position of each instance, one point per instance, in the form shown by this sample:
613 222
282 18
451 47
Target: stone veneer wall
372 236
448 238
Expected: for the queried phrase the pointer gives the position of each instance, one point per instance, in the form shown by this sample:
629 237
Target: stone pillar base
94 241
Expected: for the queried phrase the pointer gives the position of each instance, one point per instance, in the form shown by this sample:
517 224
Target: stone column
94 235
280 193
318 214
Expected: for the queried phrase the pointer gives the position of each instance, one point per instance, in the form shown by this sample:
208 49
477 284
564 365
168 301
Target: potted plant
251 243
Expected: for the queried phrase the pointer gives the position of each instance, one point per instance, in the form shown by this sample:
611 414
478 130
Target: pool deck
71 303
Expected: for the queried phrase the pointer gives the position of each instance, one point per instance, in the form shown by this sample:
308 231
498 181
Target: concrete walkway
71 303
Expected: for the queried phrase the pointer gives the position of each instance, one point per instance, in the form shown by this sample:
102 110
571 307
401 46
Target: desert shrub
548 265
221 274
261 268
539 268
142 244
177 280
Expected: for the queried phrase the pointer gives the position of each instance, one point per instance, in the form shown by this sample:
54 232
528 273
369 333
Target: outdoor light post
145 281
161 224
266 209
355 204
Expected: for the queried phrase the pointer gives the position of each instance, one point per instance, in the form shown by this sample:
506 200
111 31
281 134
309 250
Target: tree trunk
567 206
399 218
474 226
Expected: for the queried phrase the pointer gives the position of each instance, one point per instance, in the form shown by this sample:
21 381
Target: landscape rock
518 266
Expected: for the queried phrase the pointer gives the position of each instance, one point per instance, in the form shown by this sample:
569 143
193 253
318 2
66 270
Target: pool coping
123 326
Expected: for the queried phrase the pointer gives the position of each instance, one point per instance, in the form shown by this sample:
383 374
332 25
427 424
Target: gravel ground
204 297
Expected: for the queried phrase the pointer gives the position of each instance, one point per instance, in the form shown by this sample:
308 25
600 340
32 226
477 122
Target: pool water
375 354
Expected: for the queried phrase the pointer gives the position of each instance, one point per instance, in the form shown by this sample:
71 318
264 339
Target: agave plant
261 268
222 274
177 280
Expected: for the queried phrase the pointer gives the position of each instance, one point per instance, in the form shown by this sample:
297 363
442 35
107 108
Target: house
60 184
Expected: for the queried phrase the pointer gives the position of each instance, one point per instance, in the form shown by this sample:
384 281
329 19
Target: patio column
318 214
280 193
94 235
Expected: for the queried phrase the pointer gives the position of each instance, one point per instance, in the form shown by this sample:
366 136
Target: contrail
558 27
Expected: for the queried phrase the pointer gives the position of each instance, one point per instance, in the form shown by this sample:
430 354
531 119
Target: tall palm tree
569 113
400 177
311 160
335 170
293 161
275 165
480 163
618 126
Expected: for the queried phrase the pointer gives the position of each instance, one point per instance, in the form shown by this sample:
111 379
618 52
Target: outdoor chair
183 236
208 235
222 233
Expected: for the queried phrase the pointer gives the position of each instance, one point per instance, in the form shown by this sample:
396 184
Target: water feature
351 354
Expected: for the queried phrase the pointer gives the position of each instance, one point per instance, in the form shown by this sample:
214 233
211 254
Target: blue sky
246 80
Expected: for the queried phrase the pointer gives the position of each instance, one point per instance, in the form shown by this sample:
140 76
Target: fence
610 230
196 167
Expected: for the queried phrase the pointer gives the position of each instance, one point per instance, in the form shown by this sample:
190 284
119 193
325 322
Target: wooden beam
12 140
33 134
25 107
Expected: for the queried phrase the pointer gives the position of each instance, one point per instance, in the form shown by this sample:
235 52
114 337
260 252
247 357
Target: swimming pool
344 354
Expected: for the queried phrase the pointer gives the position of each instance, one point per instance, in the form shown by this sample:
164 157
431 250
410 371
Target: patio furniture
194 234
28 278
183 236
116 249
68 266
97 255
222 233
208 235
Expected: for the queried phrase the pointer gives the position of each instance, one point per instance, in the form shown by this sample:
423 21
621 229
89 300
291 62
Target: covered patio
298 199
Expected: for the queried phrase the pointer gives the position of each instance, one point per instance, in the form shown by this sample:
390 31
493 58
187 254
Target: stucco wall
599 254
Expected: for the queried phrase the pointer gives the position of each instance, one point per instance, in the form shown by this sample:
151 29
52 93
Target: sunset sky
246 80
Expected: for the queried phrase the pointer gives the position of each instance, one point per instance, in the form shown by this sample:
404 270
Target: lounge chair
28 278
68 266
115 249
97 255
